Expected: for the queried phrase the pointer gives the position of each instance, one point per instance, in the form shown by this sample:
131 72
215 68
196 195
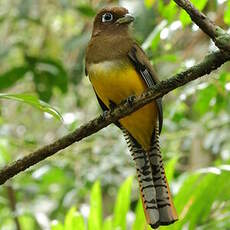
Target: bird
118 70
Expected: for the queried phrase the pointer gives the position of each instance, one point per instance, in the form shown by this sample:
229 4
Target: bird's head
112 20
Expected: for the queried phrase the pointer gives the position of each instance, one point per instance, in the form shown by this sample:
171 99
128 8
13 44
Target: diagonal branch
210 63
220 37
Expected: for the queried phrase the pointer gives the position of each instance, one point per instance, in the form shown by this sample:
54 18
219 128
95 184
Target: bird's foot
129 100
105 114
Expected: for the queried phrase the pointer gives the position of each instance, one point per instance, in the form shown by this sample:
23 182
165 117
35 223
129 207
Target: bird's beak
128 18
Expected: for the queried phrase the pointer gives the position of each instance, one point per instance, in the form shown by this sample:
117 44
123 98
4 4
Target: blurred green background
92 184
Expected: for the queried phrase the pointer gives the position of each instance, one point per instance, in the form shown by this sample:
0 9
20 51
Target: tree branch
220 37
210 63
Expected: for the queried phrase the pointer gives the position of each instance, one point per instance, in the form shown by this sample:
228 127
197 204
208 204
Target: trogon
118 69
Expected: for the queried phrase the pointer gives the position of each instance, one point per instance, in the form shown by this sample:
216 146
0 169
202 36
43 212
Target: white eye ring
107 17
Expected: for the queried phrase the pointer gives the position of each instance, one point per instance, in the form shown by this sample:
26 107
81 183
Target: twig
12 201
210 63
220 37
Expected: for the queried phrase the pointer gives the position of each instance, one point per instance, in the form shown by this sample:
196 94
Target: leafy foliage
196 202
122 205
95 216
10 77
34 101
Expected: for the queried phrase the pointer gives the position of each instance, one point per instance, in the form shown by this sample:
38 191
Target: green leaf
57 226
184 18
227 14
199 4
166 58
222 222
201 203
108 224
149 3
168 11
95 216
5 156
170 168
33 101
197 195
27 222
187 188
86 10
10 77
50 175
74 220
200 211
204 98
2 18
140 221
183 198
47 74
122 204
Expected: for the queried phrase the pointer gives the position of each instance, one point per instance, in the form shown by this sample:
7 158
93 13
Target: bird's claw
105 114
130 100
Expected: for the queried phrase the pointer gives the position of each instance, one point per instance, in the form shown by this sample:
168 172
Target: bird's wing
144 68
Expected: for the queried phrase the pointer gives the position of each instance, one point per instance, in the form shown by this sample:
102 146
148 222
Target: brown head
111 38
112 20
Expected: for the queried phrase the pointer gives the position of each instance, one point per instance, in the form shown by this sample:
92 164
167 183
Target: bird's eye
107 17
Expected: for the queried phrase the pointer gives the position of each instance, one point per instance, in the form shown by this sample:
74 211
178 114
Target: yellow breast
117 80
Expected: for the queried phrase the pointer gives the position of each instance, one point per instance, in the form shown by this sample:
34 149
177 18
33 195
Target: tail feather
167 211
154 189
146 185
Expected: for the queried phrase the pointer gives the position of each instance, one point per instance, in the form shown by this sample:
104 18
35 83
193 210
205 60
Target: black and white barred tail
154 189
